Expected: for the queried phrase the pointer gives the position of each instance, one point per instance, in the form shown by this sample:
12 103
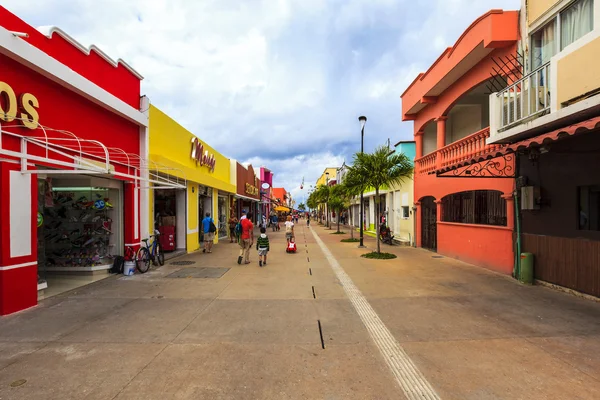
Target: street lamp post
363 121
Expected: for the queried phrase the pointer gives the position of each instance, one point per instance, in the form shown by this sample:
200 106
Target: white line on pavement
407 375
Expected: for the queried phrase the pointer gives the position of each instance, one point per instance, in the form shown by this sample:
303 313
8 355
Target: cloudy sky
273 82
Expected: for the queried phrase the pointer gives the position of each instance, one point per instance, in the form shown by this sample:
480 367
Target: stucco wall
482 245
536 8
574 76
464 120
430 138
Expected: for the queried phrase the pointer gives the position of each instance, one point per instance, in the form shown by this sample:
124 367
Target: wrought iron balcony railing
526 99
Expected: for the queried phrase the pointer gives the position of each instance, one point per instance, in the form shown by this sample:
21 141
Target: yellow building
323 178
208 179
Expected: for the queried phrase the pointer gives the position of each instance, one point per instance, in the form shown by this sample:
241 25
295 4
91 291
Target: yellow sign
251 190
9 106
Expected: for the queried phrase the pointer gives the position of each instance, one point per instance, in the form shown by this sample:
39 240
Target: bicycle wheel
160 256
142 261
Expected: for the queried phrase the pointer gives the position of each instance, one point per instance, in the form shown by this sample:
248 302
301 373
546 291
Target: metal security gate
429 223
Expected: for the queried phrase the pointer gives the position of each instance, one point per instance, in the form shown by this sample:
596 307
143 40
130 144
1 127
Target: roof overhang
493 30
492 158
40 62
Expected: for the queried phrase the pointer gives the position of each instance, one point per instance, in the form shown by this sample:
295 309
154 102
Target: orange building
463 192
280 196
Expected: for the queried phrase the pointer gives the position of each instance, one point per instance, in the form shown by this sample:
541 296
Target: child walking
262 245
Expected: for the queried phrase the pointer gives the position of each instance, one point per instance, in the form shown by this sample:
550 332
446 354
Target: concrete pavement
253 333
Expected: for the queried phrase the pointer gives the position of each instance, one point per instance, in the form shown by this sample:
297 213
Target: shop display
77 227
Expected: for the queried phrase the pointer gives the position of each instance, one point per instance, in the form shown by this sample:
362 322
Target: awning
504 151
557 134
282 209
239 196
65 153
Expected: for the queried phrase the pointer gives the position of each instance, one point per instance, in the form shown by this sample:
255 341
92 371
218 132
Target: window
571 23
589 208
543 45
485 207
576 21
405 212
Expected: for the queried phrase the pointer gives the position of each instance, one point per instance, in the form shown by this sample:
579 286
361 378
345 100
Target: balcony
524 100
465 151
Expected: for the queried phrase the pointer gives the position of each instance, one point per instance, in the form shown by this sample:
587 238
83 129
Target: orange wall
485 246
495 29
480 73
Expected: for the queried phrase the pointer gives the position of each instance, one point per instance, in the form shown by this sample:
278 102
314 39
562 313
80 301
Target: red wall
18 287
481 245
119 81
59 108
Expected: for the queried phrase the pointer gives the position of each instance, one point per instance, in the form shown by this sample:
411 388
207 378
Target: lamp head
363 120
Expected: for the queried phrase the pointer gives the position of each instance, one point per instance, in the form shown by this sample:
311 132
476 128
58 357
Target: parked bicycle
150 252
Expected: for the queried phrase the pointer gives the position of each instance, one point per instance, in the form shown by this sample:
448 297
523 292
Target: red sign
201 156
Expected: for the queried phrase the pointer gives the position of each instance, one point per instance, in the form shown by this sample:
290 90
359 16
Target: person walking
208 225
274 222
262 245
307 219
247 238
289 229
232 223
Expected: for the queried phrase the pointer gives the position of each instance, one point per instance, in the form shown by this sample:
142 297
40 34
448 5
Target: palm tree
376 170
337 201
301 207
322 194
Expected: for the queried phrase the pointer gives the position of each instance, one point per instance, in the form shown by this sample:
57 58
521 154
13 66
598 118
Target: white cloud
267 80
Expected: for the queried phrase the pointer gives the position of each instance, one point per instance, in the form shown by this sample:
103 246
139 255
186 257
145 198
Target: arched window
485 207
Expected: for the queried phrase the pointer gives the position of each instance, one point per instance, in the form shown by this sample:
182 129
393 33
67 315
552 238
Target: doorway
429 223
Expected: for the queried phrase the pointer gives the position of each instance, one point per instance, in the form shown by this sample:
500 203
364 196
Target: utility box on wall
530 198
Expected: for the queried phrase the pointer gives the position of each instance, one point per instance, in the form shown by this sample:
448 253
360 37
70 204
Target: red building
71 136
464 201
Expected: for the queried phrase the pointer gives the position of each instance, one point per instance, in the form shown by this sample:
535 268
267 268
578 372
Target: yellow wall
323 178
193 224
535 8
171 146
576 72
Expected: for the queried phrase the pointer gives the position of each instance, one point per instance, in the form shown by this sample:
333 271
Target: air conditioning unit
530 198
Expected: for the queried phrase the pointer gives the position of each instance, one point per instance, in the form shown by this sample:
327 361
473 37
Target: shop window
483 207
589 208
405 212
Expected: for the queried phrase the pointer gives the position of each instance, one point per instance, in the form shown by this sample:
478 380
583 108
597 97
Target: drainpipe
414 241
517 267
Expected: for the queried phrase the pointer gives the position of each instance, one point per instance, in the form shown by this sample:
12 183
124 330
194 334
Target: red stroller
291 246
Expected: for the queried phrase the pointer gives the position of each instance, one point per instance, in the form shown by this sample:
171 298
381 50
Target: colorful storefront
205 175
266 188
248 193
71 163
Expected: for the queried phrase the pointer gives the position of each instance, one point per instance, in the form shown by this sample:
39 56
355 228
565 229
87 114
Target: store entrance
169 218
80 230
204 206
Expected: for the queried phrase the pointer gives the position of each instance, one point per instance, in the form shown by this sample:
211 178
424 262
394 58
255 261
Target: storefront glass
79 229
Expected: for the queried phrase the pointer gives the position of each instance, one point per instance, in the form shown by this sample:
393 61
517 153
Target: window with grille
484 207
